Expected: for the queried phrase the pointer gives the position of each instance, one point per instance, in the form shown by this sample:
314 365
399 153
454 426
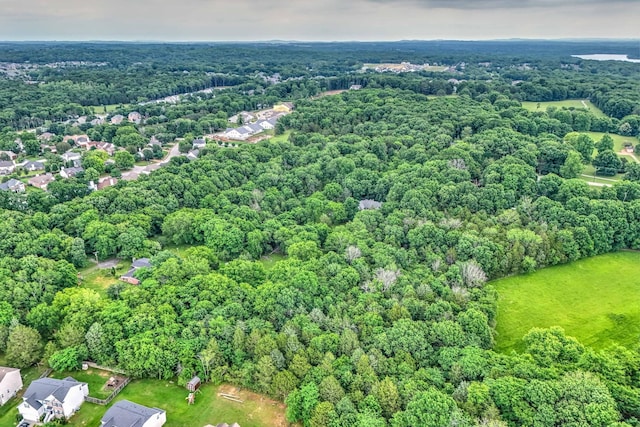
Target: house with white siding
10 383
49 398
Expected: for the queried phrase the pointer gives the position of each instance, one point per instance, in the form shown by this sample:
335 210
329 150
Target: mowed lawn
209 408
596 300
569 103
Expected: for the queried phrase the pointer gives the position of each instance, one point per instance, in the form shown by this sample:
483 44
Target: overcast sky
213 20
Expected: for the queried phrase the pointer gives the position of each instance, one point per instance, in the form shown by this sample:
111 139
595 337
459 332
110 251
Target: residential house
134 117
71 156
355 87
48 398
15 186
7 167
45 148
10 383
138 263
84 142
33 166
107 181
268 124
117 119
193 154
107 147
199 143
285 107
42 181
246 117
81 120
154 141
9 154
367 204
128 414
46 136
70 172
97 121
236 133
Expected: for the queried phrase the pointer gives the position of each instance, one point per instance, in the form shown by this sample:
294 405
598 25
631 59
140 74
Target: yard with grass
577 104
595 300
209 408
94 377
99 279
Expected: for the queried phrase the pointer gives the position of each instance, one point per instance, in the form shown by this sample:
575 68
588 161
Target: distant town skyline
306 20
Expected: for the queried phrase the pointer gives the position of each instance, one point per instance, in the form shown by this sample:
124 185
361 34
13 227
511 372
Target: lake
607 57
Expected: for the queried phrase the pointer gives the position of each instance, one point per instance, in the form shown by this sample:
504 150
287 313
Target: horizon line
160 41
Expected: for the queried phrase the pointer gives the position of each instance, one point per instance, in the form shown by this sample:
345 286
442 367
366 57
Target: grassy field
281 138
99 279
569 103
100 109
618 140
594 300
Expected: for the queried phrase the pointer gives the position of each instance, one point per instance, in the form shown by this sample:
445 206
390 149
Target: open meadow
577 104
595 300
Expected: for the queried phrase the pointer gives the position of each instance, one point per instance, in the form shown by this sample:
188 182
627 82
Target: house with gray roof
49 398
42 181
33 166
128 414
135 265
13 185
70 172
10 383
199 143
7 167
71 156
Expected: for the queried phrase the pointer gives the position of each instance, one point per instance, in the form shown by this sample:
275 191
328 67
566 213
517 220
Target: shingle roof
42 388
128 414
4 371
141 262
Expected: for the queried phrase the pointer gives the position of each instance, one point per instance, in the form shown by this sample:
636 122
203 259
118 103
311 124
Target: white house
49 398
128 414
10 383
7 167
71 156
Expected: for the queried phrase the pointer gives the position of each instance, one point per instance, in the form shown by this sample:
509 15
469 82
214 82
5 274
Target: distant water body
607 57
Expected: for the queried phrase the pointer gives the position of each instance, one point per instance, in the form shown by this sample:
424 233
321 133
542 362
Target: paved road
134 173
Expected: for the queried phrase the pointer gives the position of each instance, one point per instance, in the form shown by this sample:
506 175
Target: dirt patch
262 404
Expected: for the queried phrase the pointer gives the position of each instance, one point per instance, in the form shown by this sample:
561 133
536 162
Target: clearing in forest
595 300
578 104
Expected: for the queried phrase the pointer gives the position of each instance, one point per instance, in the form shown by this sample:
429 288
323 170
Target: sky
325 20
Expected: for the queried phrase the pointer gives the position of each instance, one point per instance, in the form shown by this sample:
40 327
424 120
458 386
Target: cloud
212 20
501 4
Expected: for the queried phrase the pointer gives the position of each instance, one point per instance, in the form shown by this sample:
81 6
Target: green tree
573 165
607 163
124 160
605 143
24 347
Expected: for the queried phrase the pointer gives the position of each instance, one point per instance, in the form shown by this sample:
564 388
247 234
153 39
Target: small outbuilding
194 384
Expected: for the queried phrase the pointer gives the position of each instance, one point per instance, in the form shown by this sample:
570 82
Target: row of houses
48 399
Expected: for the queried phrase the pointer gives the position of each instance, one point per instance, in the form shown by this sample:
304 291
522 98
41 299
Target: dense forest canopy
372 317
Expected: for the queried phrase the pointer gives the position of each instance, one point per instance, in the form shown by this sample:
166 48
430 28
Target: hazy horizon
305 20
